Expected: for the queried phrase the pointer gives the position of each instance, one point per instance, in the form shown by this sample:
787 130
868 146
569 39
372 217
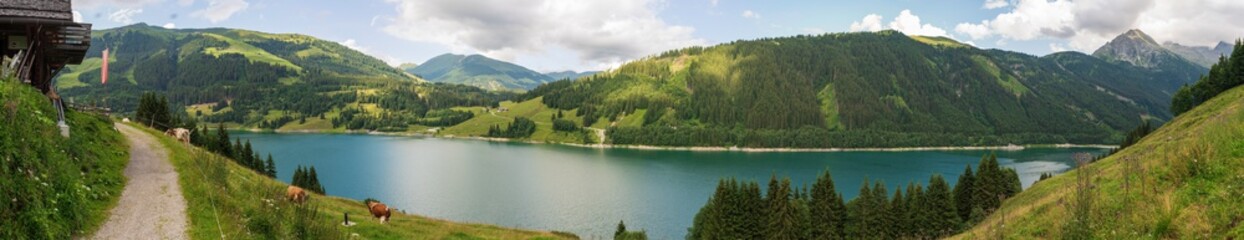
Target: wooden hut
40 37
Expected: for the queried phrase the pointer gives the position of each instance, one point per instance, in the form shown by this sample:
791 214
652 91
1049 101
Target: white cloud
77 16
871 23
910 24
995 4
905 22
170 26
352 44
1054 47
713 2
629 30
1087 24
125 15
220 10
974 31
750 14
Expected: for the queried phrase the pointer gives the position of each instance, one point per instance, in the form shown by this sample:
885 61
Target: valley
947 94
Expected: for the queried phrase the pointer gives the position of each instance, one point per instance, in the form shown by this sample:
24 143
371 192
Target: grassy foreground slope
1185 181
54 187
226 200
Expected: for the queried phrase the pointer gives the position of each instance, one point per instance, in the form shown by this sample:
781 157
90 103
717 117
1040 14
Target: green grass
250 52
1184 181
938 41
635 119
829 107
224 197
69 79
1006 80
533 109
55 187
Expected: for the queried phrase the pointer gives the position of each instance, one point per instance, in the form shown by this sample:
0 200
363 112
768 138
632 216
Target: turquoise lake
587 191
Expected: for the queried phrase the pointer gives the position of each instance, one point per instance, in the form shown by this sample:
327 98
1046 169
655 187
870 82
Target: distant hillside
572 75
1183 181
253 79
867 89
479 71
1203 56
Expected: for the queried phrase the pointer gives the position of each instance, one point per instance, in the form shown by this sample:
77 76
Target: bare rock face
1137 48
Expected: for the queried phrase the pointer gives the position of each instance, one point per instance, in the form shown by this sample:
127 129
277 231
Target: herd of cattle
296 194
378 210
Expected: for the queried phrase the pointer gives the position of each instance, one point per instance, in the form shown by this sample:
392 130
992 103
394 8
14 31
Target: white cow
181 134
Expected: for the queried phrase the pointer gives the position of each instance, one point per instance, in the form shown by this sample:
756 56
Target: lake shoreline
696 148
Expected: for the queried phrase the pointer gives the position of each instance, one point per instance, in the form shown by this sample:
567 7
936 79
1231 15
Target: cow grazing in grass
379 210
181 134
296 194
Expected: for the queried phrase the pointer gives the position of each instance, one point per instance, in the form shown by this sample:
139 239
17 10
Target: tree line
1224 75
737 210
521 127
307 178
814 137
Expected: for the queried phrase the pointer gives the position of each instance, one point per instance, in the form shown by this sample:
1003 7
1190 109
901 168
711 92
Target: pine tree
782 217
827 210
753 209
963 194
239 155
919 218
1011 185
897 214
883 223
621 230
313 180
299 177
271 167
222 145
941 205
249 152
988 178
859 223
258 164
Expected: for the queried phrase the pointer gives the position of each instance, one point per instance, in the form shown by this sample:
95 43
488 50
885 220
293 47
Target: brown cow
379 210
295 194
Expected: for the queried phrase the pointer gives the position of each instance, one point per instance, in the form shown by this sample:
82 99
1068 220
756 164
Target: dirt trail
151 206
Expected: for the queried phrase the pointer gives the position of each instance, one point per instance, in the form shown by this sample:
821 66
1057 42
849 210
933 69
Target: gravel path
151 206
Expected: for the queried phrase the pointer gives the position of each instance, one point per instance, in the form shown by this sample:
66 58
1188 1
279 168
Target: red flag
103 70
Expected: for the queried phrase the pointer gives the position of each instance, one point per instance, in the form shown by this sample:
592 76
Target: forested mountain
1137 48
570 74
868 89
1204 56
257 79
479 71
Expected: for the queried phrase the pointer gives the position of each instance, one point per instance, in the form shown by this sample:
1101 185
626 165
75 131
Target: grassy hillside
226 200
865 89
253 79
532 109
479 71
1183 181
55 187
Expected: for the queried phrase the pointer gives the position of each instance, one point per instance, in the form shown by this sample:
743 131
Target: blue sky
555 35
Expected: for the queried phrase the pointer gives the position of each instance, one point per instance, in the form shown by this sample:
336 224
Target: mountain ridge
772 89
480 71
1139 49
